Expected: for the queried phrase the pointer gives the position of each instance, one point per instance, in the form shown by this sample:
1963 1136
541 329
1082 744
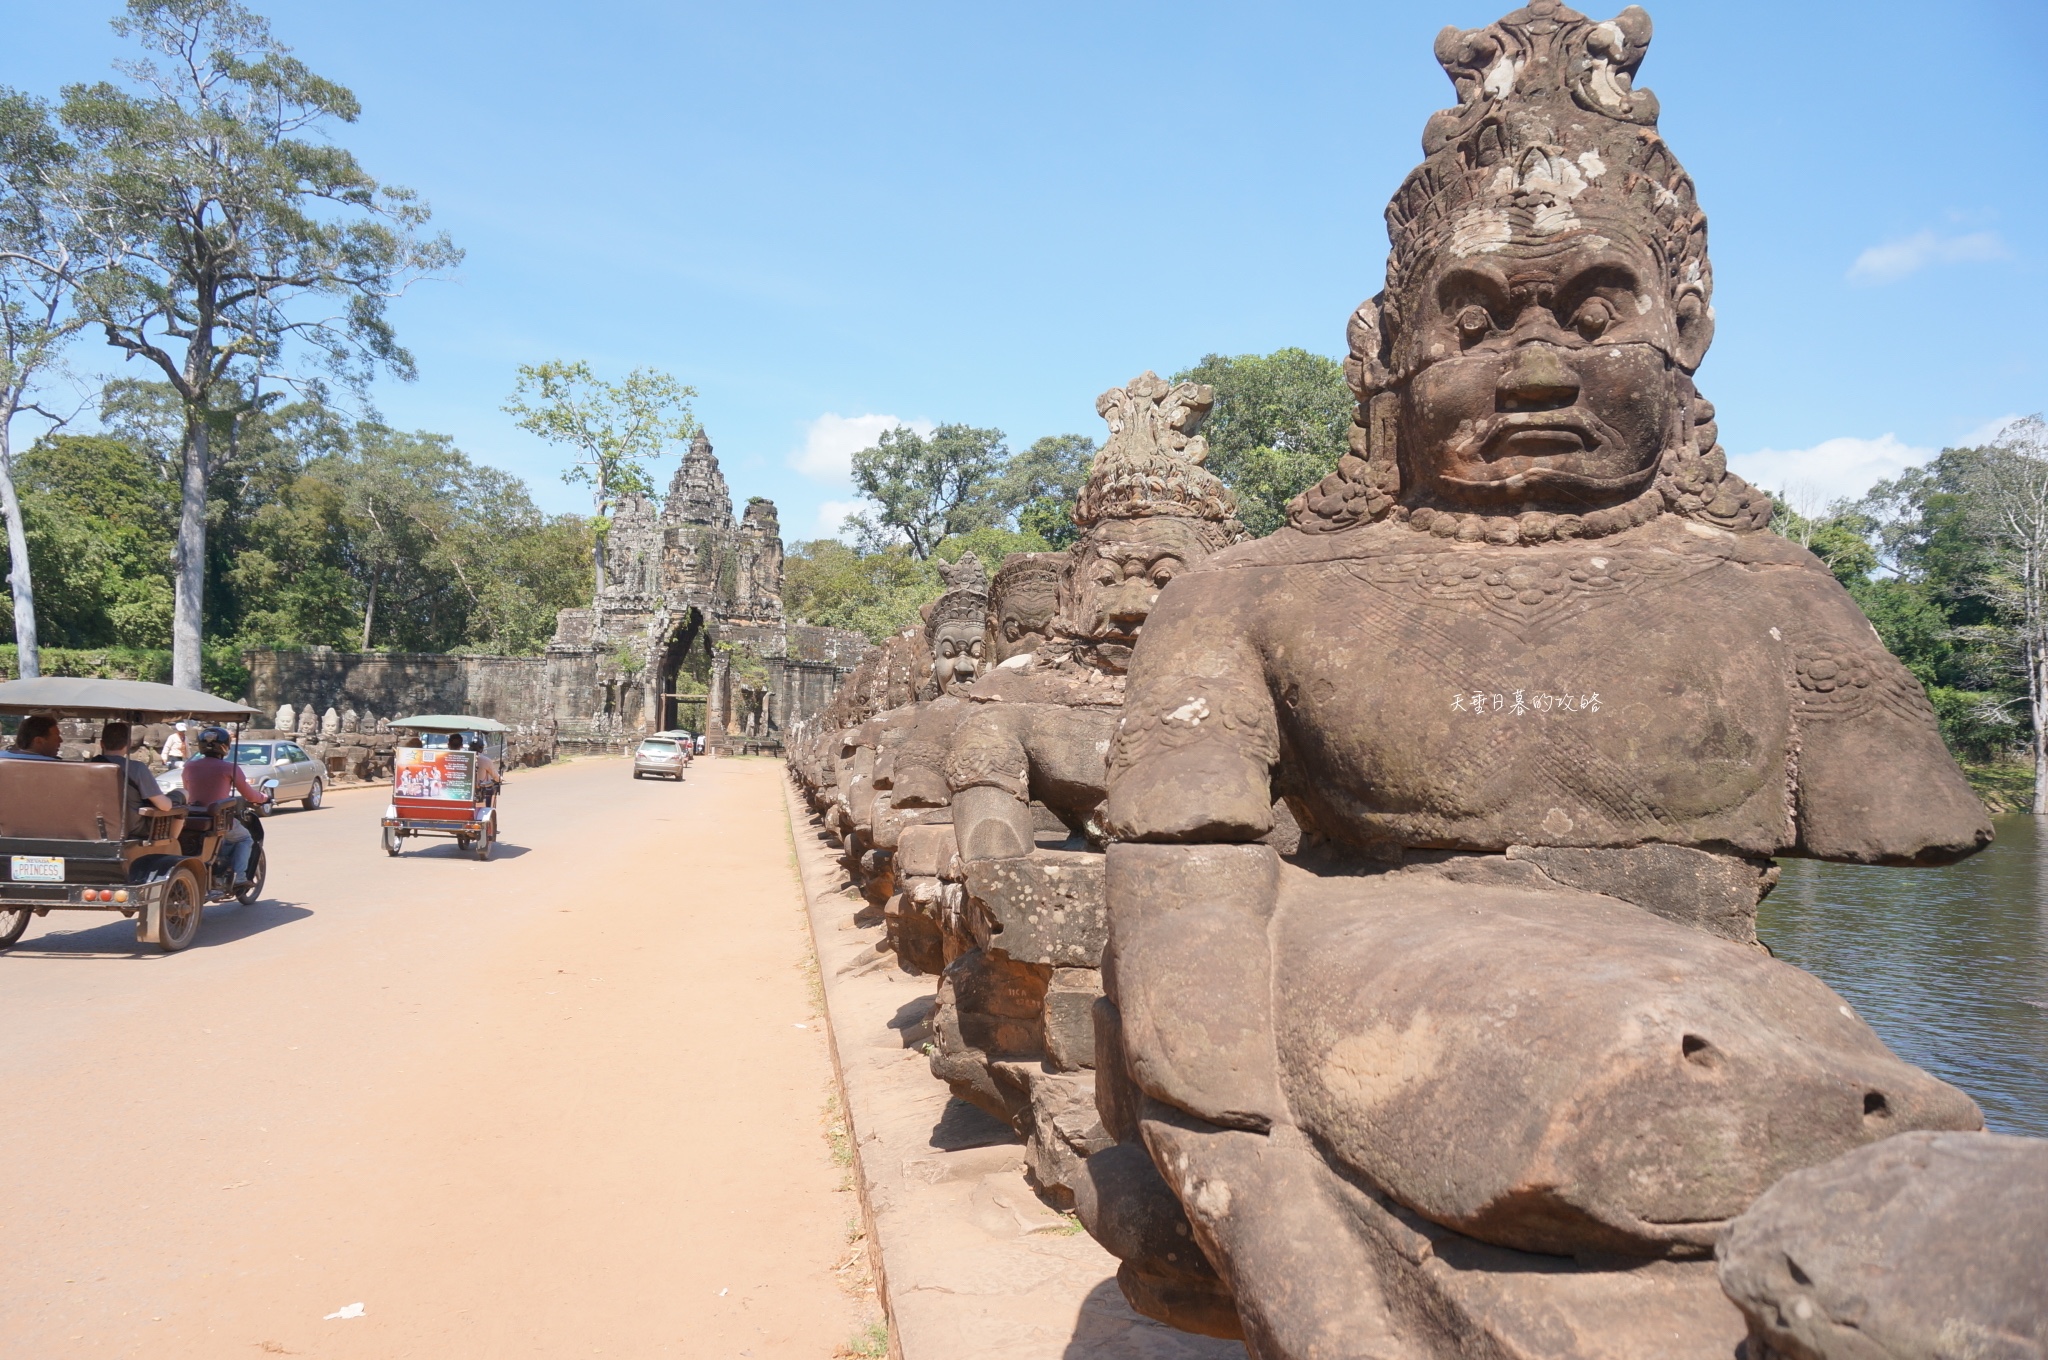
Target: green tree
925 489
828 583
1278 427
38 238
1040 485
613 427
227 238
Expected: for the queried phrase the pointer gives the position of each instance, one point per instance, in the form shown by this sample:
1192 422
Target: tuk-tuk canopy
449 722
65 696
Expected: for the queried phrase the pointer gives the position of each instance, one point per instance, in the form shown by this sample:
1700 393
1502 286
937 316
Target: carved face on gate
1022 600
1546 372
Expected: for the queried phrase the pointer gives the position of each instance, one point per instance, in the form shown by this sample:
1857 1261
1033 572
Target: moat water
1949 965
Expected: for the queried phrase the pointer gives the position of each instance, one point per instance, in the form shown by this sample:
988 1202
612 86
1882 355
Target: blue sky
828 217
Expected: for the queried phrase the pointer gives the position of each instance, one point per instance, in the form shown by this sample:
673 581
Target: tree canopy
1278 427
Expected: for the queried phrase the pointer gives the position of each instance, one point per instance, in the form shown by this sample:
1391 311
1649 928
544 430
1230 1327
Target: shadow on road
225 923
450 850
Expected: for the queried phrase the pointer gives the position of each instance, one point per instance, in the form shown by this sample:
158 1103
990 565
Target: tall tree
1039 486
1279 426
2009 493
37 318
615 428
229 240
926 489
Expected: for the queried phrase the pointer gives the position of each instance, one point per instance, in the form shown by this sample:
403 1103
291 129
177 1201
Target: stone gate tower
688 630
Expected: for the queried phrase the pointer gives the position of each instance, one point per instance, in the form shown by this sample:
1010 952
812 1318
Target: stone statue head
953 627
1021 601
1148 510
1527 373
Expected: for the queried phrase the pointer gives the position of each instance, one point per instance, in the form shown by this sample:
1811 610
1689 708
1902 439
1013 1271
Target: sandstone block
1921 1247
1070 1017
927 850
1045 908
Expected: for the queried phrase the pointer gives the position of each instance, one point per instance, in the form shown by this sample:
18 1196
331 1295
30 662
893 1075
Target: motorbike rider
211 777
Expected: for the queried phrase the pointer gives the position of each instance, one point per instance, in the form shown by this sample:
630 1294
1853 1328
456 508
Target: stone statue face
1020 619
1546 373
1115 573
957 654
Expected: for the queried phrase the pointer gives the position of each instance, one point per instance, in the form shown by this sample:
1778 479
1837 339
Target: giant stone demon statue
1487 1065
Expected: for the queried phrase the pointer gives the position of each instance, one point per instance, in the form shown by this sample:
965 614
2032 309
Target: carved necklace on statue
1531 526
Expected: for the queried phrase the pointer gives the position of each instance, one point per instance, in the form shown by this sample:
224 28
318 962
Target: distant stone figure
284 718
1545 697
351 721
330 723
309 721
383 724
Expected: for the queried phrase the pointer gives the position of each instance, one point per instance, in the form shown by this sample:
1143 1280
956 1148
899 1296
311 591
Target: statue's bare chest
1570 693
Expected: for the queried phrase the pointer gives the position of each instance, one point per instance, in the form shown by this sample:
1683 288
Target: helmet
214 736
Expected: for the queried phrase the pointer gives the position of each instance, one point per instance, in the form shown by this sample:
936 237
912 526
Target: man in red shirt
212 777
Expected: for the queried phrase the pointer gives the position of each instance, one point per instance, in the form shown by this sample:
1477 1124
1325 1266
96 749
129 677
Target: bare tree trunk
189 561
27 647
597 539
2037 699
369 615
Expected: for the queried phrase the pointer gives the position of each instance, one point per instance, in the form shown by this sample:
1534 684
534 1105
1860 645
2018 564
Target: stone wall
512 689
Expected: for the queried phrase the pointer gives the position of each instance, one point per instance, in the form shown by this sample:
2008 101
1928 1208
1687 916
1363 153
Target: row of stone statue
308 723
1358 923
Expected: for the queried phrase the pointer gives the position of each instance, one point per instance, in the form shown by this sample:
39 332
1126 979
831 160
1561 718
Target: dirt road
567 1102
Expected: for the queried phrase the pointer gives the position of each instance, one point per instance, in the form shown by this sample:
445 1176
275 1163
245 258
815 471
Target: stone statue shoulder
1042 679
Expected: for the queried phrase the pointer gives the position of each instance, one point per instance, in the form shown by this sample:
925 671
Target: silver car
665 756
298 775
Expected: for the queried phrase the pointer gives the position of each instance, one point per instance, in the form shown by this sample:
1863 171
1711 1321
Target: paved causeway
566 1102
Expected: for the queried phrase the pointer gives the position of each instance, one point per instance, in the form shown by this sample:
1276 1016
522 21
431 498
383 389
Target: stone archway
672 708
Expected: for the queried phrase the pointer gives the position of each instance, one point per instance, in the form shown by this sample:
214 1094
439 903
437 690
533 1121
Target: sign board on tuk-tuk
434 775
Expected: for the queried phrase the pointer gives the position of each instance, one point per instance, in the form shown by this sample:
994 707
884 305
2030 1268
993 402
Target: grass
2006 786
869 1343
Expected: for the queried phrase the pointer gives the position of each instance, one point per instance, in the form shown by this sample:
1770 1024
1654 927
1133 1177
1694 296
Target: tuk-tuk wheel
483 845
12 923
259 869
462 844
390 840
181 911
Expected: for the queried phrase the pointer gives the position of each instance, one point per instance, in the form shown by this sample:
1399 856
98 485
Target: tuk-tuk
74 838
439 787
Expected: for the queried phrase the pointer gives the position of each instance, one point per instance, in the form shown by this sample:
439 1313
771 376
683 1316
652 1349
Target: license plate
37 869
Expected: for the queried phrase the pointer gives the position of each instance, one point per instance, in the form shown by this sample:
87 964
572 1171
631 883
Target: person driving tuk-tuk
211 778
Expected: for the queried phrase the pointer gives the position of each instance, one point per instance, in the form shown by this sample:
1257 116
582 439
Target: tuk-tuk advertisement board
441 776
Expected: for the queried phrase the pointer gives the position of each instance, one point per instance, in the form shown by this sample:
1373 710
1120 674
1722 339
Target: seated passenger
212 778
114 741
486 768
39 739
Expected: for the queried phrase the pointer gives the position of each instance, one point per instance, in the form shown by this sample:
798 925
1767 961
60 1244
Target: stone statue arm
989 772
1189 897
1875 782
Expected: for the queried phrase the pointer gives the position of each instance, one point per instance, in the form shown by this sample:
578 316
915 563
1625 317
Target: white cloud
1834 468
832 516
1985 433
831 440
1894 260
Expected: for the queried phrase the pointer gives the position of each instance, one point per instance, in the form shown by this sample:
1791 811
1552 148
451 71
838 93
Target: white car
298 775
661 755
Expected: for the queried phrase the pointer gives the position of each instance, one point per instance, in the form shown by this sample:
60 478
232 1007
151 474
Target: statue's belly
1455 724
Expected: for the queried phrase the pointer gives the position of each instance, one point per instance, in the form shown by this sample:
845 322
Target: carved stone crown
965 574
1152 463
1549 136
1549 131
